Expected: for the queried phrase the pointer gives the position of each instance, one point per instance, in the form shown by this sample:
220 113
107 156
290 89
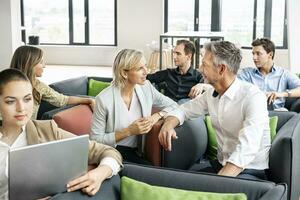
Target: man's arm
157 77
230 169
198 89
167 132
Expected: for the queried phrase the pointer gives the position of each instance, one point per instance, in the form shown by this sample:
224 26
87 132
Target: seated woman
123 110
29 60
17 130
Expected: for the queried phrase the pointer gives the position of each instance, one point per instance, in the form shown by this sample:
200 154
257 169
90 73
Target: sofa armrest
189 147
284 158
153 149
255 190
292 104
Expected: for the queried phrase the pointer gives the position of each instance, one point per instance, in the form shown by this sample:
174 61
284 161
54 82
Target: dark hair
189 47
9 75
266 43
25 58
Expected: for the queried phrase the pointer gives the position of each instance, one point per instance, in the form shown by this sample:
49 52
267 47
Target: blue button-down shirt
278 80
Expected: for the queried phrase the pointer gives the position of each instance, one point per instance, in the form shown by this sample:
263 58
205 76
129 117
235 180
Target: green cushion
212 147
135 190
95 87
273 125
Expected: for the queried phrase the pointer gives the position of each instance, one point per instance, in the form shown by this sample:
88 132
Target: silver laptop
42 170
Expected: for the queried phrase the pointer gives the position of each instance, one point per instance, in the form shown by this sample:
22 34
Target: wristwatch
161 114
289 93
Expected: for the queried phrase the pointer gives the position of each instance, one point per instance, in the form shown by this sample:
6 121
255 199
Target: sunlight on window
181 15
51 23
78 21
237 21
204 15
277 22
102 25
260 18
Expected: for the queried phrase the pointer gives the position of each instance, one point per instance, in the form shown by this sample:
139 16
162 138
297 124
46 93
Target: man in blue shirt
278 83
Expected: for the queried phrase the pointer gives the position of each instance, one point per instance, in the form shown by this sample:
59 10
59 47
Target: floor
54 73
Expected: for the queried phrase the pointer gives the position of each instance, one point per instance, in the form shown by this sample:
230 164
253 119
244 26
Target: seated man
276 82
179 82
238 111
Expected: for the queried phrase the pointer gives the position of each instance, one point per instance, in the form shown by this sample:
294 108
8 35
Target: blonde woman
29 60
123 110
18 130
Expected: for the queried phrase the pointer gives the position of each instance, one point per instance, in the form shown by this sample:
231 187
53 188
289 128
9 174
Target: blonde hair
25 58
125 60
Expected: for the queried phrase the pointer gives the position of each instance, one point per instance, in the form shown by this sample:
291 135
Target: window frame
71 28
216 19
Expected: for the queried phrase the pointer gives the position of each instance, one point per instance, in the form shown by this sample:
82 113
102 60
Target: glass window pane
102 22
181 15
260 18
204 15
51 22
78 21
237 21
277 22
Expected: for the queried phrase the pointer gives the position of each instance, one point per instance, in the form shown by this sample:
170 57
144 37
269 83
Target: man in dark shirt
180 83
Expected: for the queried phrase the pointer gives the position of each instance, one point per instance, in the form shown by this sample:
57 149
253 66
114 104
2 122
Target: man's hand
90 182
198 89
230 169
271 96
165 138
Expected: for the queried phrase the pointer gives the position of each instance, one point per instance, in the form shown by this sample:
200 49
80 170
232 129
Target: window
70 22
237 18
180 19
240 21
278 21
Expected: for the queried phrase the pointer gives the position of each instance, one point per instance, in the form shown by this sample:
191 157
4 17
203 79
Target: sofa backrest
73 86
283 117
255 190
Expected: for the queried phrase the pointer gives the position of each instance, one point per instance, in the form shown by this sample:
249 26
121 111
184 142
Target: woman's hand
92 104
140 126
154 118
90 182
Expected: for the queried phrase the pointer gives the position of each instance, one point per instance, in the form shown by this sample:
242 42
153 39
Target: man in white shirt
238 111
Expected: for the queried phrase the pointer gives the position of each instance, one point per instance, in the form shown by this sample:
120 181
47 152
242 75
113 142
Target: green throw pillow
135 190
95 87
212 147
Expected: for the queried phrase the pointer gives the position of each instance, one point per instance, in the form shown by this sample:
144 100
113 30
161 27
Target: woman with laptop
123 110
18 130
29 60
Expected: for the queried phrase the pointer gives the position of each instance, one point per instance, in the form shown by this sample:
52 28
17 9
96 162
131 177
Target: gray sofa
71 87
255 190
284 160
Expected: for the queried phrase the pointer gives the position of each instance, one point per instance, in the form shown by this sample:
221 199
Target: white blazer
107 116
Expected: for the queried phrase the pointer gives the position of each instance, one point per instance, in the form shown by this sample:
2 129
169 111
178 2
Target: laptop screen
42 170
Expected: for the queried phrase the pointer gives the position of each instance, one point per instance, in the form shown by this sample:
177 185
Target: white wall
280 59
138 23
10 35
294 34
